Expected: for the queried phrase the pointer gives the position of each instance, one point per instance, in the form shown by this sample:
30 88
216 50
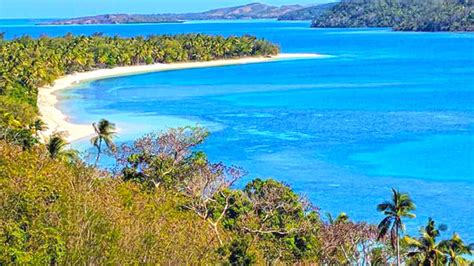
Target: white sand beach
59 122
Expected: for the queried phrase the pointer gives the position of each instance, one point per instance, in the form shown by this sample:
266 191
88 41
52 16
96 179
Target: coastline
57 121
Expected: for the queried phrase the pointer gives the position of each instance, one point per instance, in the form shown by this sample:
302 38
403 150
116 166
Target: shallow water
387 109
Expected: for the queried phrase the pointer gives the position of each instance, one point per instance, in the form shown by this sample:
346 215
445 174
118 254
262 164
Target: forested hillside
403 15
307 13
165 203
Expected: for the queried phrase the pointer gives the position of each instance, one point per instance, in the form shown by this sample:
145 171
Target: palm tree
425 250
455 248
394 210
56 147
38 126
105 133
342 218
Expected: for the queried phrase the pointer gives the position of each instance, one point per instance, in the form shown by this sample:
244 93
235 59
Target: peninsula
34 63
56 121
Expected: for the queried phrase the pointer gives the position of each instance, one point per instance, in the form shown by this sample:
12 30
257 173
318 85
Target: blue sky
74 8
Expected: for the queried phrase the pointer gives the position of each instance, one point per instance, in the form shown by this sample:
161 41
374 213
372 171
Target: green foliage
276 204
237 252
53 212
21 136
14 113
425 250
403 15
239 206
165 203
57 148
281 222
307 13
341 218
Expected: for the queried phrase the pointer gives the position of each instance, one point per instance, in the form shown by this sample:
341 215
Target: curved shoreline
57 121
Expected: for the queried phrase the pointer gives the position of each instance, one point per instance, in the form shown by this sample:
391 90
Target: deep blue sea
384 109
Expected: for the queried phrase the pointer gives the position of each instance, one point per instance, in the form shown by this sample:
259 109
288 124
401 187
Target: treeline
402 15
307 13
27 63
164 202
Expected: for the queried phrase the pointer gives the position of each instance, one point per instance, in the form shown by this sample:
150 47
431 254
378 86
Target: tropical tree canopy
56 146
399 207
105 133
402 15
28 64
166 203
426 250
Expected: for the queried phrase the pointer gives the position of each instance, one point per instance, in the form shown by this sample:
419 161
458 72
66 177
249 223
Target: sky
76 8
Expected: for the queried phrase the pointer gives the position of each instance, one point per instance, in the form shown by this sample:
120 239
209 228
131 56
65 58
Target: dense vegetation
307 13
404 15
27 64
164 202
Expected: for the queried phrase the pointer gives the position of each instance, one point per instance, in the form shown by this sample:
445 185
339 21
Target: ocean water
386 109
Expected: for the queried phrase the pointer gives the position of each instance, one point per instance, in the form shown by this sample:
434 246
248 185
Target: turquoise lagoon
386 109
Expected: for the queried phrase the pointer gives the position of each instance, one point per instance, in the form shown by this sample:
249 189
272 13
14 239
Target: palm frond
412 242
56 145
386 205
384 227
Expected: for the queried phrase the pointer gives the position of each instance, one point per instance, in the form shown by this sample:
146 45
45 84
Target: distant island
113 19
400 15
250 11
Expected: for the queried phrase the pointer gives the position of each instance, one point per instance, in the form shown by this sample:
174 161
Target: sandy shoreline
59 122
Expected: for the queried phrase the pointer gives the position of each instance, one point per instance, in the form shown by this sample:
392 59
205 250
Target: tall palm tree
56 147
425 250
455 248
105 132
394 210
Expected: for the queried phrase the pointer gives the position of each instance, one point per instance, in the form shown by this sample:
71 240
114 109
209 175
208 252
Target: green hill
403 15
249 11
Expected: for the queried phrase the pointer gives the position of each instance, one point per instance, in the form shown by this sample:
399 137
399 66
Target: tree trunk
98 152
398 247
